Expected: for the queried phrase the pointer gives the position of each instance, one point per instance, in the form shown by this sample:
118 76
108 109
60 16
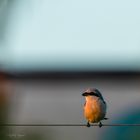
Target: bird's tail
106 118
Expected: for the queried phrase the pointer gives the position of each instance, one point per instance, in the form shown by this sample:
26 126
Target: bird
94 107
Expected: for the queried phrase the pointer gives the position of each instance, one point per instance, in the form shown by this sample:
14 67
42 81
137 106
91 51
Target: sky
73 35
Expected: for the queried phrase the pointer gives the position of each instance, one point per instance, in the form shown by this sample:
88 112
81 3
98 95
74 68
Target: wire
36 125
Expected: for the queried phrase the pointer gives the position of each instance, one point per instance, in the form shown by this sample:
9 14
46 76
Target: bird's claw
88 124
100 124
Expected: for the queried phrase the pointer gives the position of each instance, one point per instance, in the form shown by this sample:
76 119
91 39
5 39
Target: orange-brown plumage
95 106
94 109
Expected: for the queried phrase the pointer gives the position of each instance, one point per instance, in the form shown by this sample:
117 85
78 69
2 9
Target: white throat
90 98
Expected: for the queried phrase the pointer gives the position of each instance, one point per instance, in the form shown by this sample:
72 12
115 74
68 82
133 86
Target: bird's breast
94 110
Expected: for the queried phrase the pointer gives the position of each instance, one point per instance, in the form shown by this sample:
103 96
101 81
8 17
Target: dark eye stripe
94 94
91 93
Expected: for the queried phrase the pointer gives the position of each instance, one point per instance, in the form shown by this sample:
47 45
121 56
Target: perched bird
94 107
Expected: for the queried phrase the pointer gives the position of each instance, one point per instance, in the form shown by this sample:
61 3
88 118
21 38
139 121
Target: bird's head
92 92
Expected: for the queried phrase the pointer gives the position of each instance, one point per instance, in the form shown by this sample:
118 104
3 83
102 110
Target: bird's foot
105 118
100 124
88 124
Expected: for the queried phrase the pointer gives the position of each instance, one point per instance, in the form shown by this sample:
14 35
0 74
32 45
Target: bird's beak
84 94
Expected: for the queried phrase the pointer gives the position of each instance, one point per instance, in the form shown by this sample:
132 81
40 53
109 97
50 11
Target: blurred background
51 51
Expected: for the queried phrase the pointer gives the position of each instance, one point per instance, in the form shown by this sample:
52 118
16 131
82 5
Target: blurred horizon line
68 74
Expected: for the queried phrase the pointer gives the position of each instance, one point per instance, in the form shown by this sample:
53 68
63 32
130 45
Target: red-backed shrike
95 106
